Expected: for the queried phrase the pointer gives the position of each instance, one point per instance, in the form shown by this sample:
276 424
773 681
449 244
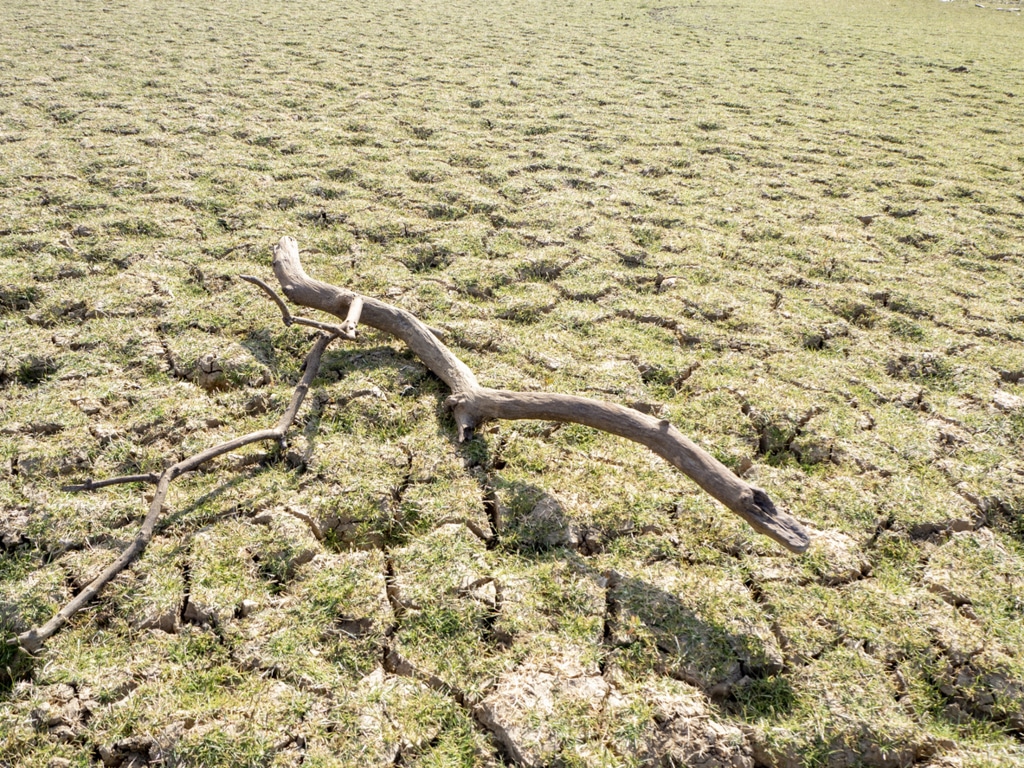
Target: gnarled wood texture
472 404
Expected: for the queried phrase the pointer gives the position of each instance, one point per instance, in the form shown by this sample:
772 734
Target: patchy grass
798 236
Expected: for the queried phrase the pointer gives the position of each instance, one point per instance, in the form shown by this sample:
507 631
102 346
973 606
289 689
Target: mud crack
396 664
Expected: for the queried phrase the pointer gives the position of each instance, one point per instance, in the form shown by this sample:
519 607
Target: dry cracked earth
793 230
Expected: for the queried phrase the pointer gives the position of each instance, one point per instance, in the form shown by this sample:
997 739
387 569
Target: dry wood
346 330
33 640
472 404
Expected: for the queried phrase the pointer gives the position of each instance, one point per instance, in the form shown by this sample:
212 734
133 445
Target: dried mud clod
30 371
673 727
133 752
64 711
226 369
786 435
851 750
981 688
14 529
837 559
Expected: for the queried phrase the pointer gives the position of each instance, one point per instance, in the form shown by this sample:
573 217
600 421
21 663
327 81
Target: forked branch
472 404
33 640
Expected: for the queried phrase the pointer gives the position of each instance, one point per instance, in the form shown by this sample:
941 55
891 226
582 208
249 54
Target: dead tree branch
33 640
472 404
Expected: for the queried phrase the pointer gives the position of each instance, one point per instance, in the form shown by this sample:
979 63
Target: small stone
246 608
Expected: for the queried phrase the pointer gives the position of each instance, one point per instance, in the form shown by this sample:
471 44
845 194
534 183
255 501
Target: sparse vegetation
795 231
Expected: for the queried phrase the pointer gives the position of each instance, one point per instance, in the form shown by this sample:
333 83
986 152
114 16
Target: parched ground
794 229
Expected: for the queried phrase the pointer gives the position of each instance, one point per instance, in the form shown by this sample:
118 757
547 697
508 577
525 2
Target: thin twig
94 485
33 640
286 314
346 330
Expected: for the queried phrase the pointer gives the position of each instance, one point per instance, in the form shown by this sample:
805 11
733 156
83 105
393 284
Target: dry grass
795 230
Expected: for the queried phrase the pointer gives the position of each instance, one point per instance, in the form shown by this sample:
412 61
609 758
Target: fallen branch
472 404
33 640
